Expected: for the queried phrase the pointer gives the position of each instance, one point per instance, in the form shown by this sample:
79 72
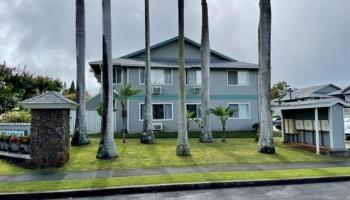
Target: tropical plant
224 114
147 136
80 135
189 116
107 147
123 94
266 144
17 117
183 146
207 136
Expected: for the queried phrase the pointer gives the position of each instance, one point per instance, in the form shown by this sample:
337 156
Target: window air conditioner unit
156 90
196 90
157 126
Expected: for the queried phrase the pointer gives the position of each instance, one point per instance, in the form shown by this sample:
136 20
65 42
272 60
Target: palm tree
147 137
266 144
124 93
107 148
207 136
80 135
183 146
224 114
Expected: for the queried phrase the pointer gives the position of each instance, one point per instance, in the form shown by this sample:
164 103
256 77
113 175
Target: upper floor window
241 110
193 77
158 76
238 78
118 75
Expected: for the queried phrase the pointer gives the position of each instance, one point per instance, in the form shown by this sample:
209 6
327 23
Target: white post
317 132
282 127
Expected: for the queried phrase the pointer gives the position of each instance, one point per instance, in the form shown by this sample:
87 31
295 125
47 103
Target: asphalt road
324 191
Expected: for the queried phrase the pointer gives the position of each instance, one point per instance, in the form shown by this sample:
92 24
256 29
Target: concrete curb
167 188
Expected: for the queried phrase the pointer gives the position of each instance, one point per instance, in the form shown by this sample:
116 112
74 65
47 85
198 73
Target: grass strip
37 186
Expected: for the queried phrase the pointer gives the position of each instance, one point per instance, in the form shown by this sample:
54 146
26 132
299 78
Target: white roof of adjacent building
312 103
49 100
319 91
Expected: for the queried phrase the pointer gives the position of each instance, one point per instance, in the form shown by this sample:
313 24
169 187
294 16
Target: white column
282 127
317 132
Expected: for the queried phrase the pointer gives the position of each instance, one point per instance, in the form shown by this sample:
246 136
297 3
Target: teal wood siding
221 94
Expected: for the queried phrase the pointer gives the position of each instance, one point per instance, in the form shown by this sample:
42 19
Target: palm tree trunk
107 148
124 116
183 146
223 137
147 137
80 135
266 144
207 136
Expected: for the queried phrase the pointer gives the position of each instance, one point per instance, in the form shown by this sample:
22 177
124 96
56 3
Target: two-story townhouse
232 83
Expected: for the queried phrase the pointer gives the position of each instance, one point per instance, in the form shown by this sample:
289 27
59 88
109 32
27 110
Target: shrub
17 117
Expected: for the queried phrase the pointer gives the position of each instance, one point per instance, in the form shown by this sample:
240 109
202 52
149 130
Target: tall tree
80 135
107 148
206 136
72 85
279 89
147 137
266 144
183 146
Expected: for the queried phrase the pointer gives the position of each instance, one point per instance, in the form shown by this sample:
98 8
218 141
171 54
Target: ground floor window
160 111
195 109
242 110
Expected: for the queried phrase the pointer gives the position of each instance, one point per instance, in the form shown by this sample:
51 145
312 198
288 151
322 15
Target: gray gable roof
341 92
49 100
136 59
309 92
174 39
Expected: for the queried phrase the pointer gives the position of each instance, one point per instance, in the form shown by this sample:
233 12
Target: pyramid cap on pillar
49 100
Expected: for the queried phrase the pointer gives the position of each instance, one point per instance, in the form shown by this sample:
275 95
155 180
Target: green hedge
194 134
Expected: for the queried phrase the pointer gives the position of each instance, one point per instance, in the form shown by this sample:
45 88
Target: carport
316 124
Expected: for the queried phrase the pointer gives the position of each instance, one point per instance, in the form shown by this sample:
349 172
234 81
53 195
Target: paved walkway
167 170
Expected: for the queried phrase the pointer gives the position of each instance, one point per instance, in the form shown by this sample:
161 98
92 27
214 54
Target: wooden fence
93 121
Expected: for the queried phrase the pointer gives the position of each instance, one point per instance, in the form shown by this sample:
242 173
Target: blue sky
310 38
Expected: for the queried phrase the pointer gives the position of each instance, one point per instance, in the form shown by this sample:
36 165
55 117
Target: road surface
328 191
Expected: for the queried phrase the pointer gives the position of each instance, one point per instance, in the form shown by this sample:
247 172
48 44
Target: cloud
310 38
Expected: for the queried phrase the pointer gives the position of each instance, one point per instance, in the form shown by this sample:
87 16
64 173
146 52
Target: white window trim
238 85
197 108
240 103
193 85
172 78
116 77
156 103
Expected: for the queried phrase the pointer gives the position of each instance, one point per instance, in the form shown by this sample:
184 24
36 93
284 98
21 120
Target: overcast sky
310 38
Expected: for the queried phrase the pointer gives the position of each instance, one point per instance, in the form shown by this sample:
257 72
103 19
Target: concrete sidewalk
56 176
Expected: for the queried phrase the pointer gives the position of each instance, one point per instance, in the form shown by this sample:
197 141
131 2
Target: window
195 109
242 110
193 77
118 75
158 76
160 111
238 78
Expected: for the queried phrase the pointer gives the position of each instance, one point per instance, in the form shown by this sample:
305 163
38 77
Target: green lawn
37 186
162 154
